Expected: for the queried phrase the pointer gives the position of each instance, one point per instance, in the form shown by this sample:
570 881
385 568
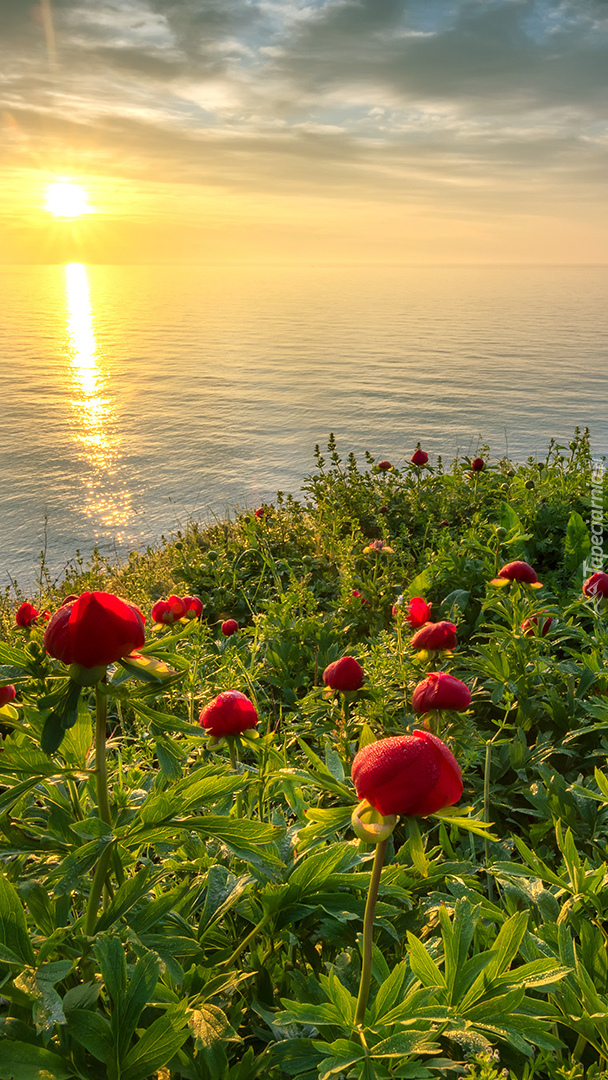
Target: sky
306 131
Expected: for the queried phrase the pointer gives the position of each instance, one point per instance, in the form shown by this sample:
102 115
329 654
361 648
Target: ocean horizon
138 398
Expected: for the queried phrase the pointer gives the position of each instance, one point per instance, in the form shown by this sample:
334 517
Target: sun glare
68 200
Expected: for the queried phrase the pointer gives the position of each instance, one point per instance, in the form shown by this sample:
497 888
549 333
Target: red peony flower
7 694
478 464
344 674
229 713
229 627
95 630
517 571
360 597
193 607
596 585
26 615
384 466
529 625
419 457
261 510
407 774
416 613
441 691
435 637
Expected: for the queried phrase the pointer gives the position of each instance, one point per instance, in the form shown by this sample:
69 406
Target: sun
65 199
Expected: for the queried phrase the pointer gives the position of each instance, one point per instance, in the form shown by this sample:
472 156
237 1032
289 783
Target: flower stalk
368 930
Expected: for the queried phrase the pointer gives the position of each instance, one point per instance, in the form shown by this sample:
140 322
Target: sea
137 399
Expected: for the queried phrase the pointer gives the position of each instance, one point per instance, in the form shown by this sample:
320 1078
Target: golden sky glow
329 130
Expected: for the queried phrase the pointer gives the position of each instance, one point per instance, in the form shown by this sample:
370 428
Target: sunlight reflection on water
94 421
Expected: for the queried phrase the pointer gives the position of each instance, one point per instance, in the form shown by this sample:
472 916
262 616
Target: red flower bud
441 691
596 585
384 466
261 510
344 674
517 571
161 612
7 694
170 611
229 627
435 637
97 629
229 713
26 615
407 774
478 464
419 458
528 625
193 606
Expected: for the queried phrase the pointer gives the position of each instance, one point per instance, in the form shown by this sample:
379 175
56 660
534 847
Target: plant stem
234 761
97 888
101 770
230 962
103 805
368 929
486 814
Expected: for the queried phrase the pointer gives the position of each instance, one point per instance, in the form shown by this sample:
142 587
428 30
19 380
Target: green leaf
209 1024
366 736
404 1043
577 544
420 584
416 847
171 757
304 1012
131 890
13 926
93 1032
157 1045
113 965
139 992
422 964
25 1061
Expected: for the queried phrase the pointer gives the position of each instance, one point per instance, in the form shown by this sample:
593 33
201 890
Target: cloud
466 100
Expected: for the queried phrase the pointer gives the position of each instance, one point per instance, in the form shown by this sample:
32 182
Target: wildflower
230 713
435 637
229 627
419 458
379 546
344 674
517 571
384 466
95 630
478 464
441 691
407 774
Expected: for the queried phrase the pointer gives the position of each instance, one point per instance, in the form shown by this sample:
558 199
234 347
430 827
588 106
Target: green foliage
208 927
